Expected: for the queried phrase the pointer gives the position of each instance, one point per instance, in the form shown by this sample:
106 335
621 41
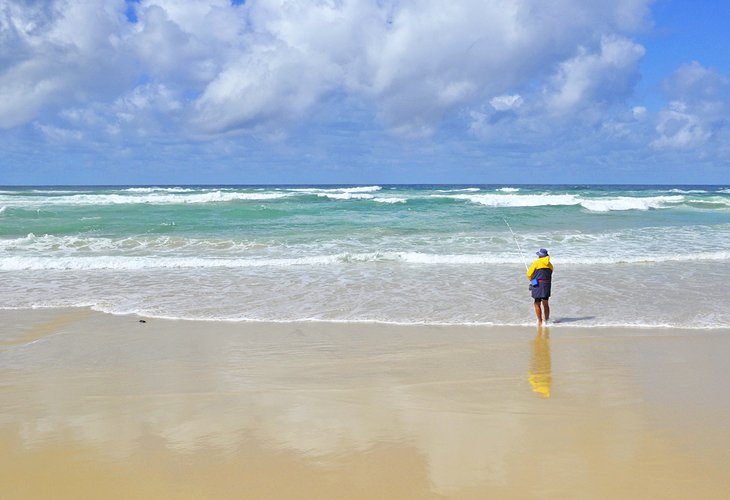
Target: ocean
645 256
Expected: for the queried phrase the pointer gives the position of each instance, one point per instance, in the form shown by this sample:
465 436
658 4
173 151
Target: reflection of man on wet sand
540 374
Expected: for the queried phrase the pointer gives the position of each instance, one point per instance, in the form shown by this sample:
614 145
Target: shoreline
94 404
561 322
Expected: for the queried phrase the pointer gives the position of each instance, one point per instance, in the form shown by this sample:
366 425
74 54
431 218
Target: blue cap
541 253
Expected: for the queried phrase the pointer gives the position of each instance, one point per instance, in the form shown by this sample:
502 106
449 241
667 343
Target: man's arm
531 270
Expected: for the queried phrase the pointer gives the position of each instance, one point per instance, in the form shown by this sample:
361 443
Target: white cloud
696 84
60 135
25 89
270 85
679 129
187 44
596 78
64 52
587 91
506 102
700 103
488 47
269 63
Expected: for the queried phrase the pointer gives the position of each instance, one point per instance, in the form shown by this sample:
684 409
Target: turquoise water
624 255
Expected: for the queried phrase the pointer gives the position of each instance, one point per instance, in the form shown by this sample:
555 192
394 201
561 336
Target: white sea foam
56 191
116 262
687 191
148 262
510 258
21 194
355 189
162 190
518 200
479 299
504 197
607 204
239 317
73 244
339 193
650 259
15 263
363 189
346 196
2 209
709 200
629 203
152 198
625 243
391 200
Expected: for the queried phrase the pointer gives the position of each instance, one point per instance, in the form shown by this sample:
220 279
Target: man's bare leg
546 306
538 313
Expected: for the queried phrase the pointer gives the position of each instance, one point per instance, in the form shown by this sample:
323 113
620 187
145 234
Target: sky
364 91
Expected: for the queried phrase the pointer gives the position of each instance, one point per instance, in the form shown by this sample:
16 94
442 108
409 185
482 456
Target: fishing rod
517 242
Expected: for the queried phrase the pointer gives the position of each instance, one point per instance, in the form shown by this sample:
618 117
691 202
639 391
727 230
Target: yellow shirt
541 263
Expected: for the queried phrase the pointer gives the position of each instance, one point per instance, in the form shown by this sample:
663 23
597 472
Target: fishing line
514 236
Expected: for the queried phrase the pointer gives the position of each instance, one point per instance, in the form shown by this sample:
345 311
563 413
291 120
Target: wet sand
99 406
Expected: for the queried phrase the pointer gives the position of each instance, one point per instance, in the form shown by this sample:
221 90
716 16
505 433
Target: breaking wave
117 262
501 197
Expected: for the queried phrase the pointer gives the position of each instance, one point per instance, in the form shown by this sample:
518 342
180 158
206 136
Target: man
540 275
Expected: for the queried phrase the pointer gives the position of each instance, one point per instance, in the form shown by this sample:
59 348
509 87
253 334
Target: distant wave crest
502 197
608 204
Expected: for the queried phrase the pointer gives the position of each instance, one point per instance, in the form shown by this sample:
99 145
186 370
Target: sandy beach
292 250
101 406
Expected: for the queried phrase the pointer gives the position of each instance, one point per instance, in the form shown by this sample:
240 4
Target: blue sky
343 91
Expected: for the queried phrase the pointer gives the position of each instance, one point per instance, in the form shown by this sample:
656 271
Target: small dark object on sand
142 321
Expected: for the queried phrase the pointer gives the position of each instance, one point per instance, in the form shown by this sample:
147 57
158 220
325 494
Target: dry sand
99 406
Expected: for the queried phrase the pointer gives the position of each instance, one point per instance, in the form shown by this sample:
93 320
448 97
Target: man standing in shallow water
540 275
